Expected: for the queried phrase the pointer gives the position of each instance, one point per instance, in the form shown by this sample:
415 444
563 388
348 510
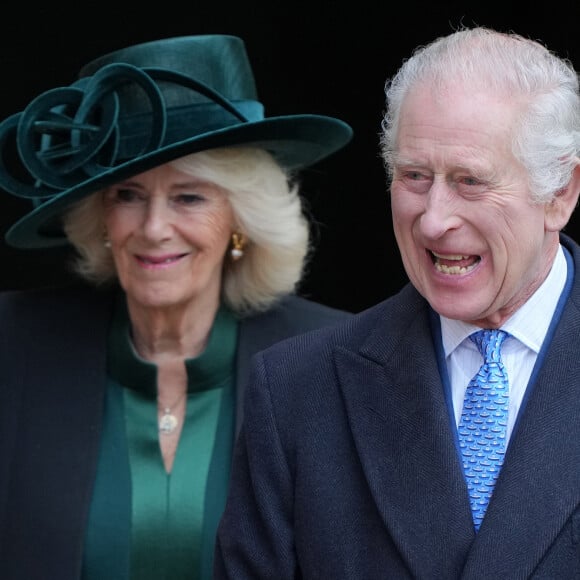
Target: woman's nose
157 223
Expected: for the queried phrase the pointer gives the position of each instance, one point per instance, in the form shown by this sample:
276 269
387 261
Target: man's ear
559 210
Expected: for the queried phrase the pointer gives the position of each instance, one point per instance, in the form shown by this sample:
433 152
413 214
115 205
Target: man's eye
469 181
412 174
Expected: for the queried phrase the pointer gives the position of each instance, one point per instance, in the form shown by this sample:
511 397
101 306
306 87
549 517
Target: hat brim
296 141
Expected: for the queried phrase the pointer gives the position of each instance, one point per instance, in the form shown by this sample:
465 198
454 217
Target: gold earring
238 243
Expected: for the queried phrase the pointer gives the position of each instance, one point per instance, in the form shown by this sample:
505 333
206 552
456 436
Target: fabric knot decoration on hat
137 108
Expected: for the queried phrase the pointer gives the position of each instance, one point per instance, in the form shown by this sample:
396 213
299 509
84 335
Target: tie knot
489 341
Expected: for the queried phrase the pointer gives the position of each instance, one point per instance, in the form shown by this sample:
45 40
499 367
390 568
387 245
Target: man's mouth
454 264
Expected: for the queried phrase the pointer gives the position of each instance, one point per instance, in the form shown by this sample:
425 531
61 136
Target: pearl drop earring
106 241
238 243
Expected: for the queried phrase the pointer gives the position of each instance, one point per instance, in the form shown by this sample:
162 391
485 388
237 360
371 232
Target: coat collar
404 435
402 431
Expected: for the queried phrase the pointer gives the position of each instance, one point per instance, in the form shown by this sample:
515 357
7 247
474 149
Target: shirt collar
529 323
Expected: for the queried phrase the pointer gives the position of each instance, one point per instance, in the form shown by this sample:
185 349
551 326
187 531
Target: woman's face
169 233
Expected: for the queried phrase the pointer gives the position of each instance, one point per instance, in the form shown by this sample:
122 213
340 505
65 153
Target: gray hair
547 137
268 211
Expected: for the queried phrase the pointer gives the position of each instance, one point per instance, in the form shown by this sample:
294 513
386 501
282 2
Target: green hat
137 108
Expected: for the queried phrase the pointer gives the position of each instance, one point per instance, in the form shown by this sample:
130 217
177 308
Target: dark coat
348 468
52 385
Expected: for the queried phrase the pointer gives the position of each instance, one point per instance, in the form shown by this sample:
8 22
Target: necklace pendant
168 423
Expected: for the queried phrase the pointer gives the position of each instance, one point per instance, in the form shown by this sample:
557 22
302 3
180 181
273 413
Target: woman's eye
188 198
121 195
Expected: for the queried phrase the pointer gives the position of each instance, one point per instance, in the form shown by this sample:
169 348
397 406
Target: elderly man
437 434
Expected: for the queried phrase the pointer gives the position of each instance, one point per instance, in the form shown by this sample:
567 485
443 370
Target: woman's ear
559 211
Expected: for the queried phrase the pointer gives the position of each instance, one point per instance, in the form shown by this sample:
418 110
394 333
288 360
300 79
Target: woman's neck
162 335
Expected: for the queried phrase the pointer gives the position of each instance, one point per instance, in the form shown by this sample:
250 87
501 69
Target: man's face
472 241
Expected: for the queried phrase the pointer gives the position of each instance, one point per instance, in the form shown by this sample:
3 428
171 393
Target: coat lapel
54 444
539 485
405 439
402 431
291 316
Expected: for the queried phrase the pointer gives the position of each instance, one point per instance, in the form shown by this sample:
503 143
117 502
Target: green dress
144 523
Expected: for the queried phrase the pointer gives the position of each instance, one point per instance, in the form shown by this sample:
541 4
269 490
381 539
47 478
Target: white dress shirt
527 326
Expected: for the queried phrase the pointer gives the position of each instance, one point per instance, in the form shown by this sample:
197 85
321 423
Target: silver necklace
168 422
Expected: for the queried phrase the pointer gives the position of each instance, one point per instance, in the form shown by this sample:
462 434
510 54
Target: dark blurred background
317 57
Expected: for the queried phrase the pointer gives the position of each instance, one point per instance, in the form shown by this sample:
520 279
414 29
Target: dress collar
206 371
529 324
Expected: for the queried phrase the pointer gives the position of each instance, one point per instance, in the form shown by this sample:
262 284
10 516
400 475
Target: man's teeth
448 269
452 269
450 257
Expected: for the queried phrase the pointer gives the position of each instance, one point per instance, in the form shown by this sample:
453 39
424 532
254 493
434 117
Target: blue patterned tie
482 428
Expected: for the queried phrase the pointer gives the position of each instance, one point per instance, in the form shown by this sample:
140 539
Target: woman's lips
159 260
